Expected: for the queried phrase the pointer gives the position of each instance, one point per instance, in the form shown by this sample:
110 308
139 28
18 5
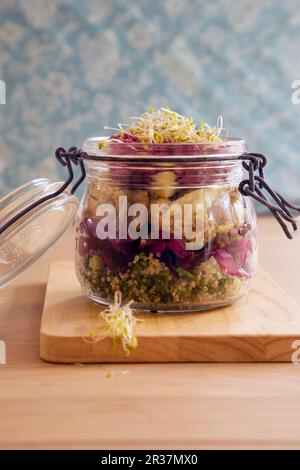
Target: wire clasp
65 158
256 187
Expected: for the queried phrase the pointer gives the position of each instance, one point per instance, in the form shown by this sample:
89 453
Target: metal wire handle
65 158
256 184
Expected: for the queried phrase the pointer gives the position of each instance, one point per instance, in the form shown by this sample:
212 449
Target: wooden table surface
200 406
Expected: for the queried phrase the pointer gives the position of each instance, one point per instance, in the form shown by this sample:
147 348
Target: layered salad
186 239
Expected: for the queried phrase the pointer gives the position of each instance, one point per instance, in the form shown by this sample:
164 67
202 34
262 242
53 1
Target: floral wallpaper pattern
73 66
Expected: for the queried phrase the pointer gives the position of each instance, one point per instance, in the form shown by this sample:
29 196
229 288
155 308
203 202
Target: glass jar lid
26 230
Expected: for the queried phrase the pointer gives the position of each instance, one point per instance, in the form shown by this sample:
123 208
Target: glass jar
165 225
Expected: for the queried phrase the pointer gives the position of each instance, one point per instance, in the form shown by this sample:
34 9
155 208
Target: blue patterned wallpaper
71 67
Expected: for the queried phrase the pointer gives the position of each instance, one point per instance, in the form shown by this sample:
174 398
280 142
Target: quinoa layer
149 281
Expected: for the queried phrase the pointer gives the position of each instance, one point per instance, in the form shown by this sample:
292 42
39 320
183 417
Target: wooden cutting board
260 328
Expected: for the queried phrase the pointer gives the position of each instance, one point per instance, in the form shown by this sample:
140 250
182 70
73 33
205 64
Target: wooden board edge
231 349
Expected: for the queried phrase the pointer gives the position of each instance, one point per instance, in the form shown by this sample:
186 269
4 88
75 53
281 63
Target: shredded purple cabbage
117 253
232 259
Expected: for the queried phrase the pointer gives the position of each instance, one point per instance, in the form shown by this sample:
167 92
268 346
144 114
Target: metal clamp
256 184
65 158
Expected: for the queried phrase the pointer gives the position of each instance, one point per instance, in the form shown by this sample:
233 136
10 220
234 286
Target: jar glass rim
227 148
